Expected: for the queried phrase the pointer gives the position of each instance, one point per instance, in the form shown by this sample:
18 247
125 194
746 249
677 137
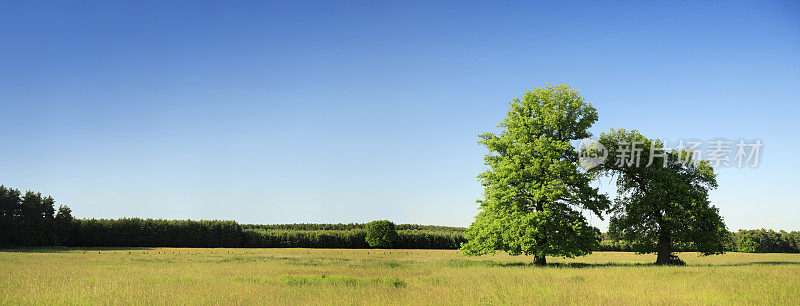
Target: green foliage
347 239
766 241
663 204
429 239
351 235
747 245
381 234
533 186
747 241
136 232
349 226
344 239
63 225
10 215
26 220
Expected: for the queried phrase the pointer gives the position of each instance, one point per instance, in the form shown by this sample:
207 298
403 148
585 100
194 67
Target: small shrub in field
381 234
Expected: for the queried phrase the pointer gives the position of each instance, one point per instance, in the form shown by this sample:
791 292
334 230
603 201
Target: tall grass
326 276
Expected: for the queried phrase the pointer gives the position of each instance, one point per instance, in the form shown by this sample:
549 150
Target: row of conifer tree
31 220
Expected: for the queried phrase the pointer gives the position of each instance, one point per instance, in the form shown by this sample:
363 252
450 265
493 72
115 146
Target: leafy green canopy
381 234
533 186
664 205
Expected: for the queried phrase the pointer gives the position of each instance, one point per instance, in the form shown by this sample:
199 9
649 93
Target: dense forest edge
31 220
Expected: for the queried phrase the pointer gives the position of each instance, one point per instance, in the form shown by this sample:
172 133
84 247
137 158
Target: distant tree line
350 235
135 232
30 220
348 226
748 241
764 241
348 239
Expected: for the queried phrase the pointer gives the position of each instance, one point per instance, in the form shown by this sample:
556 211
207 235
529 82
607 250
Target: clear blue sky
299 111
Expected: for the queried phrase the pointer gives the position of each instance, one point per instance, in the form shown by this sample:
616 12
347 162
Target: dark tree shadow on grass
489 263
754 263
577 265
581 265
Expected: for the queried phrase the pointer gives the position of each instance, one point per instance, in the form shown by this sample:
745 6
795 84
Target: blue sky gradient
296 111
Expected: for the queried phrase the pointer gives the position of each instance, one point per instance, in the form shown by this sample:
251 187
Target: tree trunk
539 260
541 242
664 249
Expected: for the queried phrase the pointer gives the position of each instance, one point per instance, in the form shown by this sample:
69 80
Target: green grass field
325 276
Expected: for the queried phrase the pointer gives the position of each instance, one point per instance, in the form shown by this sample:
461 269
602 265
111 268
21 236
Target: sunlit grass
166 275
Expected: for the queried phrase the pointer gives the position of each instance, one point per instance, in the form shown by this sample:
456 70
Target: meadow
368 276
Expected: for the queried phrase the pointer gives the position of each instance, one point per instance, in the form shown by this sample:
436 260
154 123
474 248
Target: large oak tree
533 186
663 197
